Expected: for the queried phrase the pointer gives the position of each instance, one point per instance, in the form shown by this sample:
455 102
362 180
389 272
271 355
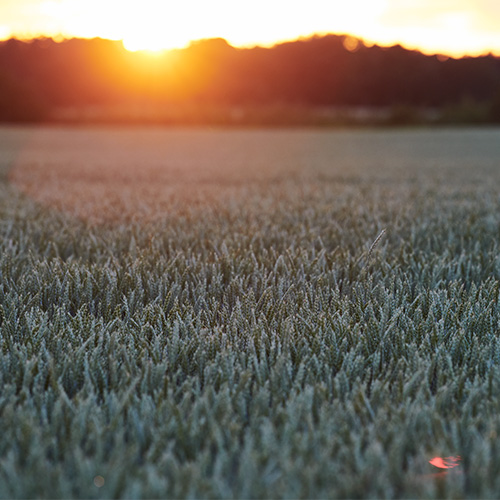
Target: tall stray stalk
374 244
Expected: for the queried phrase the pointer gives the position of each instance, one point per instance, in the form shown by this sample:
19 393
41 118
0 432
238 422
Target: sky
449 27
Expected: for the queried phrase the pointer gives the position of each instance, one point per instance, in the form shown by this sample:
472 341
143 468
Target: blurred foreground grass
194 313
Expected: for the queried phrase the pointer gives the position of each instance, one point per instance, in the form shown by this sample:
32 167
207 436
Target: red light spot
445 462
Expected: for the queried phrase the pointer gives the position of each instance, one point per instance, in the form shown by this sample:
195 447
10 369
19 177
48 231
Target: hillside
77 79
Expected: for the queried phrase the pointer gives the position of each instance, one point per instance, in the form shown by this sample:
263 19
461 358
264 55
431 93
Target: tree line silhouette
41 77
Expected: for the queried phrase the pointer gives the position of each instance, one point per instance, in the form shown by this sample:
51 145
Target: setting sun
157 26
457 28
153 42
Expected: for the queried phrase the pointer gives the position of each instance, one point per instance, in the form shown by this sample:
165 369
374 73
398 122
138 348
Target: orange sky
452 27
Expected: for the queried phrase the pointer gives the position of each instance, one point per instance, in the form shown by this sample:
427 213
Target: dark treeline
40 78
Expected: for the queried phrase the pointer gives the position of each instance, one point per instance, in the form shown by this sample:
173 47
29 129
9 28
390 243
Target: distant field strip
249 313
115 175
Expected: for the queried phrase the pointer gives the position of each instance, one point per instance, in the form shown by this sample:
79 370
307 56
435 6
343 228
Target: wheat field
196 313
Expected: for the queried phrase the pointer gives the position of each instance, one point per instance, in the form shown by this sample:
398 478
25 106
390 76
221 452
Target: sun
158 25
146 44
154 41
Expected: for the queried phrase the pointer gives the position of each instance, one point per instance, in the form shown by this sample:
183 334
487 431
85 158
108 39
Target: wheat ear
374 244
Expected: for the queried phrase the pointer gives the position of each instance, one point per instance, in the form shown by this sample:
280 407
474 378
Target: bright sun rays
160 25
453 27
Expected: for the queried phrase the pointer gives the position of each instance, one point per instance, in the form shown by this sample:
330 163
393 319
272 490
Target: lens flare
445 462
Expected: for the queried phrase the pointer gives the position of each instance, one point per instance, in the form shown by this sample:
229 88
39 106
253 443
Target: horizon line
61 38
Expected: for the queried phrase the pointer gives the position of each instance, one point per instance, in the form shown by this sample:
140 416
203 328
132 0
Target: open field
201 313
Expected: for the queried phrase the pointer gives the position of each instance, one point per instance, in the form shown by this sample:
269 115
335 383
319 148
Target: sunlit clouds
454 27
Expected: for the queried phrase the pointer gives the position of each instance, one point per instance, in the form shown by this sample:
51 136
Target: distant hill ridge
41 77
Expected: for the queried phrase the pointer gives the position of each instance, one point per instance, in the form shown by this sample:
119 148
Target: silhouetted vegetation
20 102
315 80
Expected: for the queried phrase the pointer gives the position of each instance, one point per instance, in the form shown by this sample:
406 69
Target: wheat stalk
373 245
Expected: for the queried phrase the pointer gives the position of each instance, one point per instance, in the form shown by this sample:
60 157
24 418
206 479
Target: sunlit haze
452 27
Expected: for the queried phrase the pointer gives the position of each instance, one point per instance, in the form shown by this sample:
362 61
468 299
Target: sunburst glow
453 28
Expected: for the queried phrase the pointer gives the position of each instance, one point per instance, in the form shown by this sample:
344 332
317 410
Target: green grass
243 341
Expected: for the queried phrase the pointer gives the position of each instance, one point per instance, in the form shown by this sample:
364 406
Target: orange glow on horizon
467 27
